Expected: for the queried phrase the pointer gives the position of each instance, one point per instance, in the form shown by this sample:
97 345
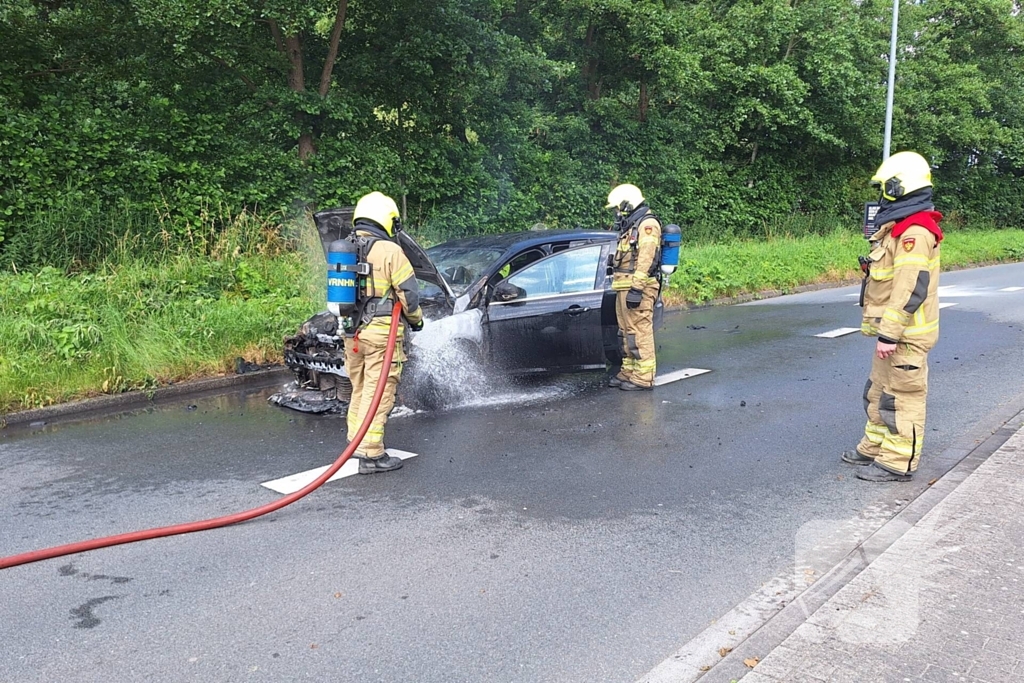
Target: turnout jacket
635 256
901 290
391 276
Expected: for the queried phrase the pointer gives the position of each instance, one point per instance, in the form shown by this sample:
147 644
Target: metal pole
892 78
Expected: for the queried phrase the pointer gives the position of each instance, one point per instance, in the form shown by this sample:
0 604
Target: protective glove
416 327
634 297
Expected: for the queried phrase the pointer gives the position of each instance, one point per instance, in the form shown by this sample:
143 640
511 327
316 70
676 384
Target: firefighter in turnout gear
637 280
901 309
375 223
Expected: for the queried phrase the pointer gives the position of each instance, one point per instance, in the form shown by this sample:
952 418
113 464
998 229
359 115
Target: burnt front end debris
316 356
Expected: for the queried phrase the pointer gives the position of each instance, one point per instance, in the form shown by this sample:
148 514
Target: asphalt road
558 532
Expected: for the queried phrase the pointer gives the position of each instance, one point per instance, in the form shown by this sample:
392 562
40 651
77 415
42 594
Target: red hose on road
227 520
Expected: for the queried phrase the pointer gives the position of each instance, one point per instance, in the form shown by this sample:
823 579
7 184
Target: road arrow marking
678 375
832 334
294 482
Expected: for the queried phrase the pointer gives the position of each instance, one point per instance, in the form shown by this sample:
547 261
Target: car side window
518 262
564 273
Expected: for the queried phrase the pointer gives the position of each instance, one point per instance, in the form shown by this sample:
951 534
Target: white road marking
678 375
294 482
854 294
1011 289
832 334
957 291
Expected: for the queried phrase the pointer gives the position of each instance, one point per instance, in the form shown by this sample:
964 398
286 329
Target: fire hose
238 517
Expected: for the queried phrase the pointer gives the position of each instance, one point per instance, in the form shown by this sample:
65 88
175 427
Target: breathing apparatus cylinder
671 236
342 283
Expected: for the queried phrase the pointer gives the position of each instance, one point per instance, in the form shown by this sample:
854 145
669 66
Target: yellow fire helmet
901 174
379 208
625 198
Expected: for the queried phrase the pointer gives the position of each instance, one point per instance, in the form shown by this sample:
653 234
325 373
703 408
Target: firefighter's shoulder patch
908 244
648 230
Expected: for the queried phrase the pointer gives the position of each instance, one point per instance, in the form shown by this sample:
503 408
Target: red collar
928 220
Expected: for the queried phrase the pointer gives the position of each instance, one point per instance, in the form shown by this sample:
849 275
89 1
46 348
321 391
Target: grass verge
136 322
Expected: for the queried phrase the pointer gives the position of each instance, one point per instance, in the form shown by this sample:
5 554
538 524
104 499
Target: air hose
227 520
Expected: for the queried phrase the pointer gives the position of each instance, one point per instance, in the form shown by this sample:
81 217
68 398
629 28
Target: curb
779 626
134 399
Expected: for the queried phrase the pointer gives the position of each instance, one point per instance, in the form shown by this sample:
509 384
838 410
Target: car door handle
576 310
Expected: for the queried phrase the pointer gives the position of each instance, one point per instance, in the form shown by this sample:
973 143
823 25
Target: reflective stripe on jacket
901 300
632 263
392 275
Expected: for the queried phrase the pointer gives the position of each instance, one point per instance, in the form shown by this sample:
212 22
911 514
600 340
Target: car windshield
462 266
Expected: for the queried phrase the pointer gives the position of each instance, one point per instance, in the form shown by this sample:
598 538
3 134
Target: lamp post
892 78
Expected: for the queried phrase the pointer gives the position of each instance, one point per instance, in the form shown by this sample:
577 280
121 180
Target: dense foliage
160 117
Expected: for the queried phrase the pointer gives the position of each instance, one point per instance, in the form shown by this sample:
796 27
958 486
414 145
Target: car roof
526 238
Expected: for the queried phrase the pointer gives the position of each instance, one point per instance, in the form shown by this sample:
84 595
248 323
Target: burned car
526 303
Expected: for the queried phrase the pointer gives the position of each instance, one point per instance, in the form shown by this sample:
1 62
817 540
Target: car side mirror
506 291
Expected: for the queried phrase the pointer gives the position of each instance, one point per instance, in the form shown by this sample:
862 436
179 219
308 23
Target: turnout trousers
364 358
894 400
636 334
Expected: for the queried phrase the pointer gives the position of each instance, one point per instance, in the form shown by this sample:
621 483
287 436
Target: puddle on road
510 396
523 397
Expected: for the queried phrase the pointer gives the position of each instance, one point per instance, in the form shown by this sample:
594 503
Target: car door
554 321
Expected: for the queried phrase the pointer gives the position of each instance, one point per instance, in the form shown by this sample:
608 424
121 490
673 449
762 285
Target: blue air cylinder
671 235
342 283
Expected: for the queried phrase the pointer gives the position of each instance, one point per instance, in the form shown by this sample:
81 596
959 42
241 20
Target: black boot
615 382
880 474
384 463
855 457
629 386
